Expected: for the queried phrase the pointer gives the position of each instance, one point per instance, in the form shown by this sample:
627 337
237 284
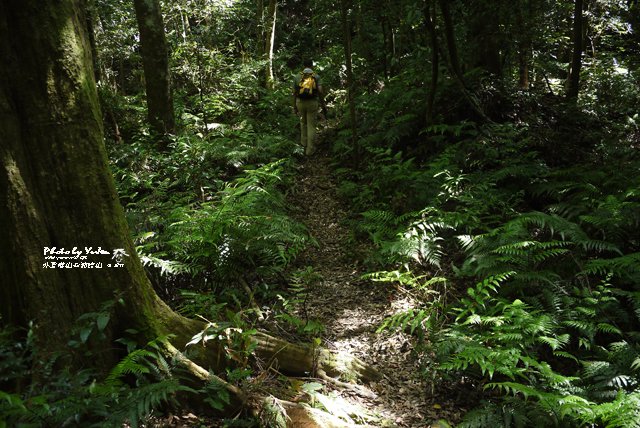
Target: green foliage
236 341
418 320
244 228
292 308
548 331
515 237
140 383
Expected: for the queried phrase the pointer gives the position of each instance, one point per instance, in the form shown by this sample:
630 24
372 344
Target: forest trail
351 308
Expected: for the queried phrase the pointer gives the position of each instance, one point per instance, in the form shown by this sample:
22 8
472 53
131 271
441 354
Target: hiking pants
308 110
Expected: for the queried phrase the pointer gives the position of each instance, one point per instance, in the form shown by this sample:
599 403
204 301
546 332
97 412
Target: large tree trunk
573 82
56 187
153 46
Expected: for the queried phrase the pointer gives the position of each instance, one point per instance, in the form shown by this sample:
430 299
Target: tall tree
346 29
454 61
272 11
155 60
523 19
573 82
429 19
56 190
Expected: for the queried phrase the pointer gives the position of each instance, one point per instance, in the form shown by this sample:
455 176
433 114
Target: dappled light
317 214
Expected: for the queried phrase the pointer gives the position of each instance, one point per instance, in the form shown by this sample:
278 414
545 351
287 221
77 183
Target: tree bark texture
155 61
573 82
55 185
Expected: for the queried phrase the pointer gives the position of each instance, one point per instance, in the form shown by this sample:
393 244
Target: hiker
307 97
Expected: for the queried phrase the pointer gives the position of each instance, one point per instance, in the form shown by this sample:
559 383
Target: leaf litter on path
351 310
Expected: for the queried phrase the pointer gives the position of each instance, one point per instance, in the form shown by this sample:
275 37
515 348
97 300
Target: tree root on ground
278 413
305 360
293 359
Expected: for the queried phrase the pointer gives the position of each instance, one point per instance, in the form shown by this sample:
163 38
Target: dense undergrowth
517 239
518 242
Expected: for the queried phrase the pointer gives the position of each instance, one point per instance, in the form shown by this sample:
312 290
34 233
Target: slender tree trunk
260 45
524 45
364 42
272 11
55 187
385 51
344 10
523 69
184 22
390 39
573 82
450 38
429 19
155 60
454 63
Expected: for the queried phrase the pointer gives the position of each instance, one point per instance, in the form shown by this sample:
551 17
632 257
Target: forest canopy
462 250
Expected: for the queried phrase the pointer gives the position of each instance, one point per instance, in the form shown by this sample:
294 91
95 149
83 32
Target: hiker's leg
303 122
312 114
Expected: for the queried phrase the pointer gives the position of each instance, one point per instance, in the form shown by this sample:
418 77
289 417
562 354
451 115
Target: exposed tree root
358 389
238 398
305 360
278 413
271 411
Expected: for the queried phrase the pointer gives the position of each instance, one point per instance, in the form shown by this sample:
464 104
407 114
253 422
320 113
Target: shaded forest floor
351 308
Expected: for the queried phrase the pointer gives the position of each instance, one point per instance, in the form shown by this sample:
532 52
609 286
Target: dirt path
351 309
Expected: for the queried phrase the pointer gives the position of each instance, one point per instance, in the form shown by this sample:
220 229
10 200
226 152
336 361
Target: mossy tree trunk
56 189
155 61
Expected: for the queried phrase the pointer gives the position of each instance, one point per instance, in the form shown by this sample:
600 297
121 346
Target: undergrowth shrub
210 210
141 383
547 333
244 229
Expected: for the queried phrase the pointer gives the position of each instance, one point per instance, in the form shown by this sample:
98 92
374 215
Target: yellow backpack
307 88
